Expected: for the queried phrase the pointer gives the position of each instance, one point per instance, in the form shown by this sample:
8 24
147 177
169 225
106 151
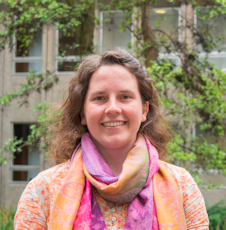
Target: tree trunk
151 50
85 30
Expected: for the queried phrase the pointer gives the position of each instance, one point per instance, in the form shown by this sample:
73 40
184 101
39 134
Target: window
27 59
166 19
110 35
68 51
217 28
25 165
219 60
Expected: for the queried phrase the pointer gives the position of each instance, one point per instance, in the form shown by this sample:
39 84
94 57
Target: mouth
113 124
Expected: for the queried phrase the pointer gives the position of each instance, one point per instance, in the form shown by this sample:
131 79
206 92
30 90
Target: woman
112 124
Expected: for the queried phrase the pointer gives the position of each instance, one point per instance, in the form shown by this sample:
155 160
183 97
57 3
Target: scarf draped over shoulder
144 183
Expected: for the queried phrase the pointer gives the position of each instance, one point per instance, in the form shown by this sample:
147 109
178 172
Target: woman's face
113 109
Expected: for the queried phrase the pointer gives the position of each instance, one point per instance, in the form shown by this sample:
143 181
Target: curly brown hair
67 133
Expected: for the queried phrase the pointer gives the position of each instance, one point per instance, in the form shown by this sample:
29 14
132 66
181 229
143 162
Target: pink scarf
76 208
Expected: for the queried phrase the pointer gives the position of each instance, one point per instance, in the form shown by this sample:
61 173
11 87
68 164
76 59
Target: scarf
139 184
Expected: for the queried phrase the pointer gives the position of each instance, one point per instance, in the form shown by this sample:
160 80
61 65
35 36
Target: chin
117 142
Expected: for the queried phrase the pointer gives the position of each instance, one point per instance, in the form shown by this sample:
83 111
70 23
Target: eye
99 98
125 97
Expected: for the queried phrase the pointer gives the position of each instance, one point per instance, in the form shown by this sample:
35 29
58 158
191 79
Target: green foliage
12 145
206 151
34 83
24 19
217 216
217 185
200 96
199 99
177 152
6 219
40 132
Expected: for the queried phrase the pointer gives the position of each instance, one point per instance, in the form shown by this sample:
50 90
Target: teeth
112 124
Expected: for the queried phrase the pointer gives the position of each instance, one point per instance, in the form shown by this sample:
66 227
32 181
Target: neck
115 157
114 161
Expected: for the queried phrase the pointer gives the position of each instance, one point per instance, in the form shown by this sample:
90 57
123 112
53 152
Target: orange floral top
37 199
115 217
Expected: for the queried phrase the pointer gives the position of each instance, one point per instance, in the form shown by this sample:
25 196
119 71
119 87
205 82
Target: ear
145 111
83 119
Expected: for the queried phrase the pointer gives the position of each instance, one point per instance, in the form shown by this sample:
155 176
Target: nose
113 107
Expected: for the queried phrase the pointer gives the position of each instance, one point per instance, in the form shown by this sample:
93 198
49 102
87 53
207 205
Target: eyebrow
103 92
126 91
98 92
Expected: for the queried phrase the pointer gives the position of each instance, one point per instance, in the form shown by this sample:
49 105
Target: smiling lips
114 123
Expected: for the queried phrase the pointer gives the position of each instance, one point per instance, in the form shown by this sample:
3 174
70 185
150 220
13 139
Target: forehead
113 74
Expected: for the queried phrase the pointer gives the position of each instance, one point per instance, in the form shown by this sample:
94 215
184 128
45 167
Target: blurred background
182 44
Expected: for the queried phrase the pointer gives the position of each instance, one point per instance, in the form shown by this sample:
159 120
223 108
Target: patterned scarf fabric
76 208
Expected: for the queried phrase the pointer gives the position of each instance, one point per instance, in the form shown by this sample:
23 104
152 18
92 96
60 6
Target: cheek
91 115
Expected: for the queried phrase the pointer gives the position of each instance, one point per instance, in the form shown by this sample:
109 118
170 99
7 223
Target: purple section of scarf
97 219
140 212
94 162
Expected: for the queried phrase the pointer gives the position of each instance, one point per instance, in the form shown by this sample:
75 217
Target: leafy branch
34 83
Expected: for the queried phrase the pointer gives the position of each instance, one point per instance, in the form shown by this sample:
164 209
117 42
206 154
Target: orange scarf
168 200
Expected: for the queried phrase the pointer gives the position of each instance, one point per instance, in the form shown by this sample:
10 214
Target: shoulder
47 181
60 169
183 179
173 169
39 194
193 202
180 175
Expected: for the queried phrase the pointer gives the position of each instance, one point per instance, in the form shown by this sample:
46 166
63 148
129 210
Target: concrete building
43 56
